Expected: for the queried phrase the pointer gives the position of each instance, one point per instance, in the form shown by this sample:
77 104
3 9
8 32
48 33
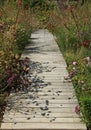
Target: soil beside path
50 102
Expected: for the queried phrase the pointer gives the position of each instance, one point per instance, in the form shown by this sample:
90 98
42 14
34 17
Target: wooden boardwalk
50 103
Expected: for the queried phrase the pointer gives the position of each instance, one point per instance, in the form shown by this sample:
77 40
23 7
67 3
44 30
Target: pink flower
74 63
9 81
77 109
66 77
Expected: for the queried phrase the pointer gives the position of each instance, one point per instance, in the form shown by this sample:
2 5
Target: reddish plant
77 109
19 2
85 44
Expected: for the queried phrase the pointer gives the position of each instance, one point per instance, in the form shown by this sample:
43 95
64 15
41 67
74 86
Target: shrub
14 74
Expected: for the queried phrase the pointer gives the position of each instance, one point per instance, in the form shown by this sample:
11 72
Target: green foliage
1 2
84 52
86 108
66 41
80 74
22 38
42 4
43 9
26 4
61 38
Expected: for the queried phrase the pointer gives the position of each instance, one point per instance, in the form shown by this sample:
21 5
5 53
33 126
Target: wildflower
9 81
74 63
77 109
88 58
85 44
71 73
74 68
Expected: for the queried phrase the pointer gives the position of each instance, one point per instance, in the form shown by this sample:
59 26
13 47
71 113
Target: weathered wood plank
47 114
42 126
29 119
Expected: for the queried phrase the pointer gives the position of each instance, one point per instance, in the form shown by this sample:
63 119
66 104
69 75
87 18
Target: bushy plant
13 76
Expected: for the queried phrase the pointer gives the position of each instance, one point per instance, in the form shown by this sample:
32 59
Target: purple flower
72 73
77 109
11 79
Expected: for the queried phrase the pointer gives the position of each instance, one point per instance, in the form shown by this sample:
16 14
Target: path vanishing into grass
50 102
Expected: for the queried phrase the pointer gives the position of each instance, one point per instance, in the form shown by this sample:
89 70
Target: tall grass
74 39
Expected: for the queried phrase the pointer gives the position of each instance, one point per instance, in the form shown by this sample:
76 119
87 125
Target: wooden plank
71 101
41 115
55 94
42 126
55 89
51 105
29 119
36 110
56 97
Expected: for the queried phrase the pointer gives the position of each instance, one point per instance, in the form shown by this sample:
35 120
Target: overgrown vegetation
14 35
72 26
18 18
74 39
